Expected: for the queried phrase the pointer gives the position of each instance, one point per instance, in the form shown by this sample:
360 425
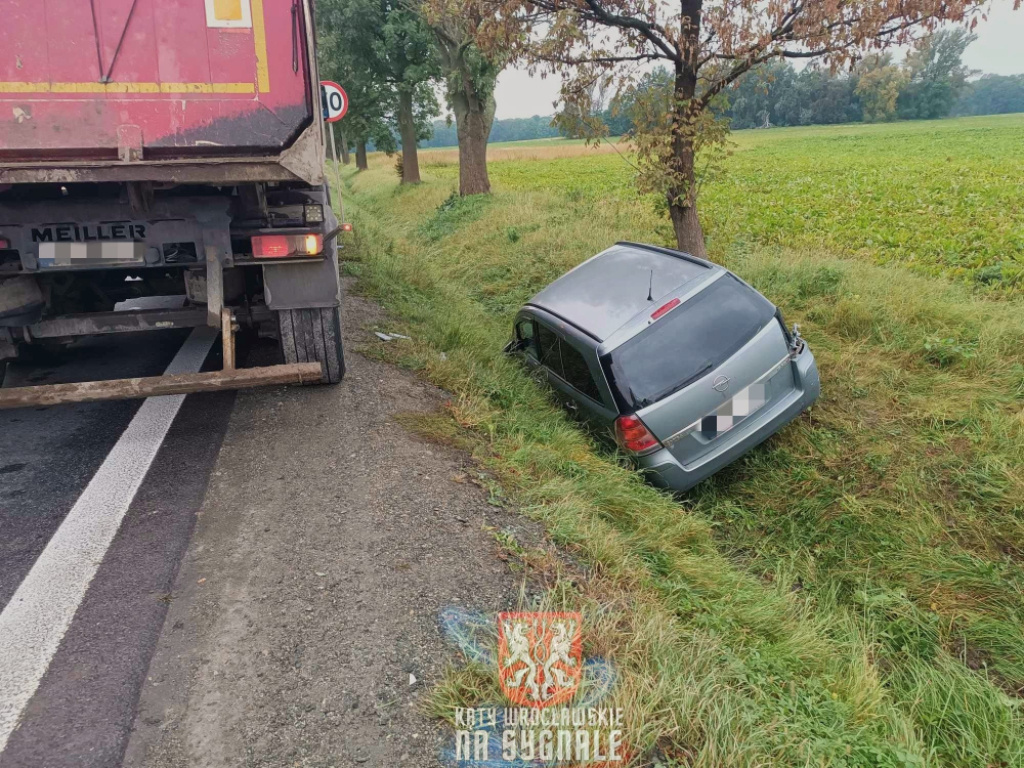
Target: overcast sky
999 49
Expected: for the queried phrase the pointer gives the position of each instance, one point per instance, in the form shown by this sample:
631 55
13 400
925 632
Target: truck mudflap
170 384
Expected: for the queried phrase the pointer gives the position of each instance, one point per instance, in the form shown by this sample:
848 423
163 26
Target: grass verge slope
849 594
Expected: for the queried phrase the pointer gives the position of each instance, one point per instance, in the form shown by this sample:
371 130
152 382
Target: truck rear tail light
632 435
286 246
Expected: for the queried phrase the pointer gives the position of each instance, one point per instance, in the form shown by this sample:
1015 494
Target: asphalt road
68 698
264 579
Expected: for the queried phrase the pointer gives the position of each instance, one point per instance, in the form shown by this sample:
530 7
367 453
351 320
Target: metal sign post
337 170
335 105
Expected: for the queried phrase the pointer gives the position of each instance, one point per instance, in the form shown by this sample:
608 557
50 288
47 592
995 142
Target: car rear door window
688 342
550 354
525 333
577 373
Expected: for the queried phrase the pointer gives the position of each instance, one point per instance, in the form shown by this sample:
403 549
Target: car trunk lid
693 421
701 369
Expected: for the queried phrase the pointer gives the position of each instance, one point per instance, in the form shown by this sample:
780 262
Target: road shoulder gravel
328 544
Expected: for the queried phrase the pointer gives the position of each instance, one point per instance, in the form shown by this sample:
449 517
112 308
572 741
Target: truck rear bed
85 84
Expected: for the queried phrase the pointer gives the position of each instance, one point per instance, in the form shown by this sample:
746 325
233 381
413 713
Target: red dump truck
166 147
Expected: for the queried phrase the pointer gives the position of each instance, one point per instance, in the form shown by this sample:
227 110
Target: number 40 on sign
335 101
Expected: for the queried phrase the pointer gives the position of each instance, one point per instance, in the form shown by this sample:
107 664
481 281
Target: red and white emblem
540 657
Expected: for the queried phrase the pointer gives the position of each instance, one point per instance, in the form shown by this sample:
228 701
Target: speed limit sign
335 101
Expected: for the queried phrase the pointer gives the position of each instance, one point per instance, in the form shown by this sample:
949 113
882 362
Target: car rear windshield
688 342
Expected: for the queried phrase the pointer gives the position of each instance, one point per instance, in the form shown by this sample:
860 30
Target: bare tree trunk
344 148
682 205
689 233
407 127
682 199
473 121
474 111
361 155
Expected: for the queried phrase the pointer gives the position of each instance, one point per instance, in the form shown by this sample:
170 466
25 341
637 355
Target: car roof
604 293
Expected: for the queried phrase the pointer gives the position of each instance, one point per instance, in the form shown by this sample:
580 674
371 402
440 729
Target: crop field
538 149
942 196
849 594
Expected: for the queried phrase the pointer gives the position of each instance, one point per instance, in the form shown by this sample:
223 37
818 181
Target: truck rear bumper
132 321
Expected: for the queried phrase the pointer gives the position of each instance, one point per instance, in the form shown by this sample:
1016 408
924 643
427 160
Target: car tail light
286 246
665 309
633 435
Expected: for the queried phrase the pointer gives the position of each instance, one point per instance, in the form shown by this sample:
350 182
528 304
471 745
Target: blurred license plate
735 411
96 254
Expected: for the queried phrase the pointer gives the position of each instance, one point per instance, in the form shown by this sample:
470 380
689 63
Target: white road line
40 612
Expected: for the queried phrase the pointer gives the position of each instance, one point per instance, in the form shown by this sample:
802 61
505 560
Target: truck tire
313 336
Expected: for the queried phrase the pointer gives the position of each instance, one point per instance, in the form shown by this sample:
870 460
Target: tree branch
740 69
650 31
600 59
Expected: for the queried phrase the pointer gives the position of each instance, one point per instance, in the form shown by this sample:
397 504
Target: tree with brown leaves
470 75
707 46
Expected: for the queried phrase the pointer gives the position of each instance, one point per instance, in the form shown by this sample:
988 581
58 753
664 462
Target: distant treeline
992 95
513 129
929 83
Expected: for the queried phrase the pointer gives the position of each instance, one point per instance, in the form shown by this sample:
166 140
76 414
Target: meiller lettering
89 233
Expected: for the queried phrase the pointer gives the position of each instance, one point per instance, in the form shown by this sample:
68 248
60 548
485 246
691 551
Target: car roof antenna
650 288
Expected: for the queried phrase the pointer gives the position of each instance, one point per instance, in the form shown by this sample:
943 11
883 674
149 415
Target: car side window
577 373
550 355
525 333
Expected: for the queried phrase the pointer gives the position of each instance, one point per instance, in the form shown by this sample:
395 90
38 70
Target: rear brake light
286 246
633 435
665 309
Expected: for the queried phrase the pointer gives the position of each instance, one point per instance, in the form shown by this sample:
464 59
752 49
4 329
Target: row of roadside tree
678 74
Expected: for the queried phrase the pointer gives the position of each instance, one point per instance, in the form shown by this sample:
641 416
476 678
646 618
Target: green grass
849 594
553 141
942 196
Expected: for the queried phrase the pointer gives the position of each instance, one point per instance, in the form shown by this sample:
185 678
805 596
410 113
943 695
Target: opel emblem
721 384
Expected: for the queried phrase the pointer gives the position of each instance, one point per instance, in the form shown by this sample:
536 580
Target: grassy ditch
849 594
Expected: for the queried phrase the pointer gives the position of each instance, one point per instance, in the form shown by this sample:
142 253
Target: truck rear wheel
313 336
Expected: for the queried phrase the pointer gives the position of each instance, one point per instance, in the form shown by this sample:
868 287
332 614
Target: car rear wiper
638 402
687 382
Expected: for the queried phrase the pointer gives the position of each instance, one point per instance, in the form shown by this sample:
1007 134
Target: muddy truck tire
313 336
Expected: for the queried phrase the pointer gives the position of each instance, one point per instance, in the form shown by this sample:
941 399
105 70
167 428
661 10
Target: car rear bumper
665 471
